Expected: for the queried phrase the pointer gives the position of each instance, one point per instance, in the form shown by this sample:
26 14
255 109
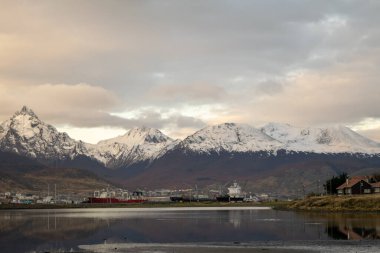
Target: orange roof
359 177
351 182
377 184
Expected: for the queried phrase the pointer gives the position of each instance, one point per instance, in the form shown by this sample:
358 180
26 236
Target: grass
361 203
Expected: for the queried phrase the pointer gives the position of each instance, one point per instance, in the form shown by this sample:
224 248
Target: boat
116 197
192 198
233 195
176 198
95 200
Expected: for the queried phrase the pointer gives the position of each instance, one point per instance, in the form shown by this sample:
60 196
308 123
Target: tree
332 183
375 177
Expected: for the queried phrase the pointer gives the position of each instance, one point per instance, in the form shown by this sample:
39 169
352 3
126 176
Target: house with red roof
355 185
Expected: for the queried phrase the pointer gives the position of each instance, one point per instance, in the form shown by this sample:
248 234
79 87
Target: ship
192 198
233 195
116 197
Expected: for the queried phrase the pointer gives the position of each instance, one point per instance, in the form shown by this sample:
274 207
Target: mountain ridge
137 145
24 133
144 156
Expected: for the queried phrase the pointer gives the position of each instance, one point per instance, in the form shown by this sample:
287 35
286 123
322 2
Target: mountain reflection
42 230
349 226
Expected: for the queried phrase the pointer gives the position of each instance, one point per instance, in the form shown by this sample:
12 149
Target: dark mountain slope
284 173
22 174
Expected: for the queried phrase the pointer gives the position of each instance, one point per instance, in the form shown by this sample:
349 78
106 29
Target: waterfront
215 229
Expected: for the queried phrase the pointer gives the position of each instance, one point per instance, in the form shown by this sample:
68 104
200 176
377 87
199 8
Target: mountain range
145 157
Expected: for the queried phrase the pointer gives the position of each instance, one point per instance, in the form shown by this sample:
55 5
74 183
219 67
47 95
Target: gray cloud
196 92
189 122
302 62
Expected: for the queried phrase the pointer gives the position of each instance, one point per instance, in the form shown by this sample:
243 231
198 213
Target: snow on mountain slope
24 133
138 144
138 136
27 135
230 137
334 139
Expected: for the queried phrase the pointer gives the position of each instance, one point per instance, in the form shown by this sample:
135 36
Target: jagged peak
234 137
139 135
26 111
148 134
143 130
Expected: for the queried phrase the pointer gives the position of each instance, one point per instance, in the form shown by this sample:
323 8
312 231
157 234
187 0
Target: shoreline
143 205
328 204
267 246
336 204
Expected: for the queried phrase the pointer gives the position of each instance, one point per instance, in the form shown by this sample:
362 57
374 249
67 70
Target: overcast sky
97 68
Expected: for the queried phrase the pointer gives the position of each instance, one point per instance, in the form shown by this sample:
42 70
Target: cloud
187 122
78 105
159 118
323 97
195 93
88 107
268 87
83 63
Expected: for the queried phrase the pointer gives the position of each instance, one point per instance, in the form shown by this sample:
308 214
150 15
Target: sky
98 68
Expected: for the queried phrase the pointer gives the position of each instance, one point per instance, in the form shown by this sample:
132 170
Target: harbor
110 195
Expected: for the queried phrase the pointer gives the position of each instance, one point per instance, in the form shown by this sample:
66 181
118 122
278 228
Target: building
355 185
376 187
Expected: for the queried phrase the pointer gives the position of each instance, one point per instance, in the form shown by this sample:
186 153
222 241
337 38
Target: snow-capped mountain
333 139
25 134
230 137
214 154
137 145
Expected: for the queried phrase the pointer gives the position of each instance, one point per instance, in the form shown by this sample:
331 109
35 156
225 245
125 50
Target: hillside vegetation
67 180
370 203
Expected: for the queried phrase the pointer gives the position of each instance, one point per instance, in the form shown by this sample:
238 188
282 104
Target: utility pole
196 189
331 187
303 190
318 187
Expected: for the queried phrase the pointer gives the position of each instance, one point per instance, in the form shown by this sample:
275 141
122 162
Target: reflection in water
43 230
349 226
352 233
353 230
234 218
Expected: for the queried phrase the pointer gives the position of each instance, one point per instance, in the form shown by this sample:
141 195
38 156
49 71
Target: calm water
47 230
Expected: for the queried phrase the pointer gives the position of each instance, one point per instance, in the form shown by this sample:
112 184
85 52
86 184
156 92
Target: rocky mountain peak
24 133
139 136
329 139
26 111
138 144
230 137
